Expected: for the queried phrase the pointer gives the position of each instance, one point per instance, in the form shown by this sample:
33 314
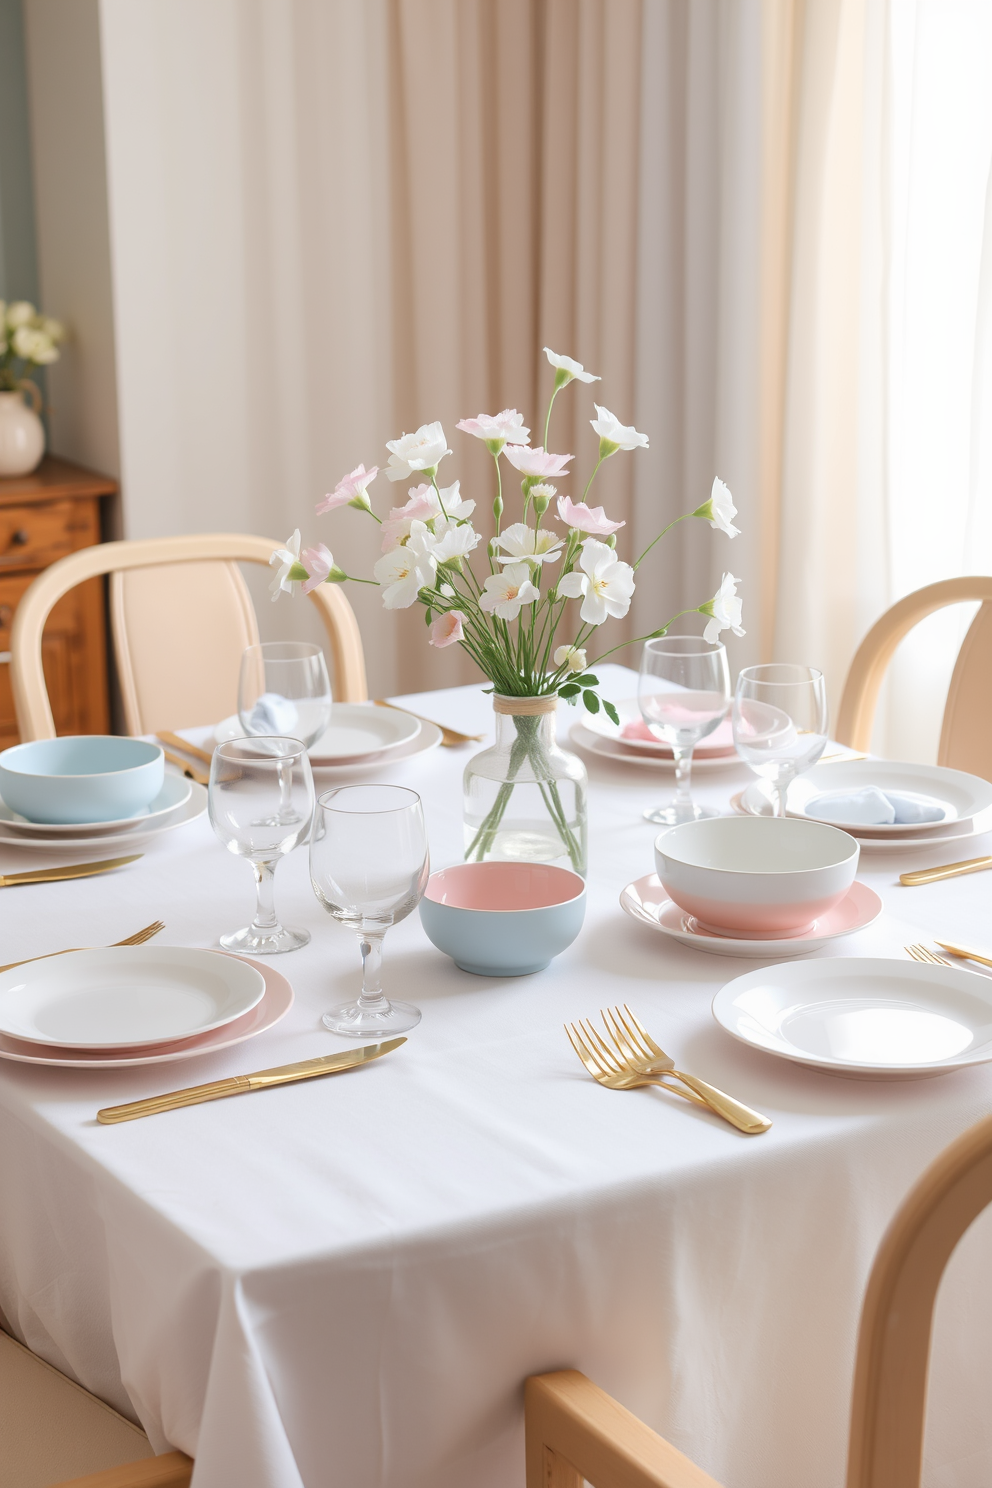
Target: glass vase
525 798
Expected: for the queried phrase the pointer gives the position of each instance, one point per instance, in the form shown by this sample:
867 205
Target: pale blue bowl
81 778
503 919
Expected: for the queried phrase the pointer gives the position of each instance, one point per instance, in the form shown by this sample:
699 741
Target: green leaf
569 691
591 701
586 680
611 712
428 615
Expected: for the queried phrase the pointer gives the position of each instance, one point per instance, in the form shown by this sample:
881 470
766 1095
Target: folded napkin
871 807
274 714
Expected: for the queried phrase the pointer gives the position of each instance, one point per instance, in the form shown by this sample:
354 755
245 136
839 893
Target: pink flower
318 563
536 463
447 629
504 428
350 490
583 519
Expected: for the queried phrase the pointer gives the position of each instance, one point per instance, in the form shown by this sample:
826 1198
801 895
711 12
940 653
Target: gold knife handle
733 1111
216 1090
187 768
176 742
949 870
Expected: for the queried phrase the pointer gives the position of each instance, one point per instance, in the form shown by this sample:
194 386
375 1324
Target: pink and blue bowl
503 919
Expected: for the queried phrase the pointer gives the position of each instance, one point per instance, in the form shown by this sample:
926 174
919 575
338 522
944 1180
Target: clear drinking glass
683 692
369 868
780 722
284 690
252 781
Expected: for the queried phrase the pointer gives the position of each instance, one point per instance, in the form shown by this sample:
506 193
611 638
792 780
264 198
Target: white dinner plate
275 1003
612 749
647 902
630 712
176 791
756 801
961 796
193 807
125 997
358 731
863 1017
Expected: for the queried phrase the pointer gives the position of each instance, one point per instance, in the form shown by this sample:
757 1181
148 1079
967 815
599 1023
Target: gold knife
957 950
449 737
307 1069
200 776
77 870
175 742
949 870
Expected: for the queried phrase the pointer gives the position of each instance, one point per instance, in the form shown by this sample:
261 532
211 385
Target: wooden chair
181 617
54 1434
575 1430
966 733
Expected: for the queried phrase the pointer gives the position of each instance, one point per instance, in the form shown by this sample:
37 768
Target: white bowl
753 877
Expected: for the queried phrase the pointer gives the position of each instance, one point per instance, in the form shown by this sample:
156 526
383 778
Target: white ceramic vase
22 437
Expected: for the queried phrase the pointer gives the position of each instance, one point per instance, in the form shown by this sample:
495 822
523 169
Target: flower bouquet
509 609
28 338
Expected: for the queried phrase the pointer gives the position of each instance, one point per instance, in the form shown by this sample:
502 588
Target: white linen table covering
343 1283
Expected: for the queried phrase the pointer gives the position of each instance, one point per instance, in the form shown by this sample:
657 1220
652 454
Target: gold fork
921 953
611 1068
138 938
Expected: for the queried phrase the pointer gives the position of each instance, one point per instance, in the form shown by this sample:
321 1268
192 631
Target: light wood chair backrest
181 617
575 1430
966 733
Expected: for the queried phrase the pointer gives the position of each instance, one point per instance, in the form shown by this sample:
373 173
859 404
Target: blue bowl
81 778
503 919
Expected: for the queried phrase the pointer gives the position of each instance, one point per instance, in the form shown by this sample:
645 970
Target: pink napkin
720 742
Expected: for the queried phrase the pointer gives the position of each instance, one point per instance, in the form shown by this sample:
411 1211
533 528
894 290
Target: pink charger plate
647 902
276 1001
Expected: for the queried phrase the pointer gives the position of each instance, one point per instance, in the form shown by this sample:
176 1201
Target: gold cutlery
449 736
839 759
963 951
921 953
200 776
138 938
77 870
949 870
177 743
632 1059
285 1074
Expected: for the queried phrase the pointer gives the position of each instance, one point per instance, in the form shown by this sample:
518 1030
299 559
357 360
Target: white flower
724 610
497 430
605 584
20 313
287 558
406 570
454 506
566 364
574 657
720 510
53 329
34 346
421 451
505 592
614 434
423 505
451 539
523 543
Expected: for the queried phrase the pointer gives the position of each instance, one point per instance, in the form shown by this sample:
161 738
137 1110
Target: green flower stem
599 462
652 635
526 746
657 539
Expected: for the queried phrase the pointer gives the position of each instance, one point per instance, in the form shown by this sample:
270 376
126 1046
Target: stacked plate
953 805
360 734
135 1005
632 742
179 801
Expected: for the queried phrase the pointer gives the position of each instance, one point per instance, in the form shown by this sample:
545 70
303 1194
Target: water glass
252 781
284 690
369 867
780 722
683 693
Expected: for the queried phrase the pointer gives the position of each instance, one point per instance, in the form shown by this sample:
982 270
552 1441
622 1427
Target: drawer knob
20 538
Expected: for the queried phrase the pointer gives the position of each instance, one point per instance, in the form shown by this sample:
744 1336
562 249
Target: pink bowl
753 877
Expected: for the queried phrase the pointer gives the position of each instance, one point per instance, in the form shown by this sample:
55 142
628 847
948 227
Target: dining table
344 1283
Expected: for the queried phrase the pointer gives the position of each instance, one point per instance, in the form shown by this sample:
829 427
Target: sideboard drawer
32 537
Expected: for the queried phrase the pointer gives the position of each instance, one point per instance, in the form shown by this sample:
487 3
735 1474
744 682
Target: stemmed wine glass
369 867
284 690
250 782
780 722
683 693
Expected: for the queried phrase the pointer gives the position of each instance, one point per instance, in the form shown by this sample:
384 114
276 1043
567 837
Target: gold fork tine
922 953
639 1045
592 1064
606 1054
649 1041
138 938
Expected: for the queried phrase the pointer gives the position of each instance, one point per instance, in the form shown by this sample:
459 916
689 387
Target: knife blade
965 953
284 1074
75 870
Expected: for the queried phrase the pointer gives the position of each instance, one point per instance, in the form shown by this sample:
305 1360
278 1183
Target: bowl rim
12 768
791 824
533 909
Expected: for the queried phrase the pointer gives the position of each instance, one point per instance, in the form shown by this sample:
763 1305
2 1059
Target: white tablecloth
343 1284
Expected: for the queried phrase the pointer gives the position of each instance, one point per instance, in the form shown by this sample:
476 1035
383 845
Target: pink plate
277 999
646 901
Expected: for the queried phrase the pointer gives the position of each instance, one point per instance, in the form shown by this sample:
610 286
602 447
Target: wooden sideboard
43 516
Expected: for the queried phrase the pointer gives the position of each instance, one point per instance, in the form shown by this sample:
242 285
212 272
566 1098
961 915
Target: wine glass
250 782
284 690
369 868
683 693
780 722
